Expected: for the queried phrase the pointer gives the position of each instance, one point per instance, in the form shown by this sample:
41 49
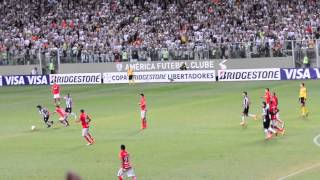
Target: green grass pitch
193 133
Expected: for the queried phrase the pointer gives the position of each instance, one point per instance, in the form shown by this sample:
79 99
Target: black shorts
246 111
68 110
302 100
46 118
130 77
266 123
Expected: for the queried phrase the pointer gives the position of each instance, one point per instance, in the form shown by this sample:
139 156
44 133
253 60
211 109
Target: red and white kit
143 107
126 168
56 91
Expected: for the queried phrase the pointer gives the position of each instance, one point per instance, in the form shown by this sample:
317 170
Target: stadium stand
128 30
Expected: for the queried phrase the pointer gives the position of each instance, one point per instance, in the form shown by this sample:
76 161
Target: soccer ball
33 128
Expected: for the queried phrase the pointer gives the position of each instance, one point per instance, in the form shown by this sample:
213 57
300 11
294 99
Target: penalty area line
299 172
317 143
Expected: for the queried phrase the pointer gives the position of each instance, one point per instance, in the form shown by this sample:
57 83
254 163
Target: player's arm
52 113
77 121
142 103
88 118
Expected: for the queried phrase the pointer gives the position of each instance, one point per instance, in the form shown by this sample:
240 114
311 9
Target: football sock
91 138
145 123
87 139
242 118
278 129
120 178
134 178
271 130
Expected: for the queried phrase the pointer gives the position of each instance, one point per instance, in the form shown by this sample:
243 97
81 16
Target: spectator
306 61
34 71
183 67
51 68
98 30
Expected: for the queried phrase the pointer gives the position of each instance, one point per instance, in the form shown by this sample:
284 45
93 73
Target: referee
130 76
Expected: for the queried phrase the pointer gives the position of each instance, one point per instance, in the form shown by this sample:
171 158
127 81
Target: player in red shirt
85 120
56 93
143 107
63 116
267 96
274 99
126 168
275 116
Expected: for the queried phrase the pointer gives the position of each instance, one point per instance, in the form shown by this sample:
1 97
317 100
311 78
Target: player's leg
281 124
243 120
61 120
243 117
143 120
253 116
120 174
90 137
47 122
270 129
72 113
250 115
66 120
130 173
305 108
275 127
130 79
266 126
51 122
85 135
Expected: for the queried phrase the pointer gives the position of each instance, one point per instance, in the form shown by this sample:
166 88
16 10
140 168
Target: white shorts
128 172
56 96
62 118
274 122
85 131
143 114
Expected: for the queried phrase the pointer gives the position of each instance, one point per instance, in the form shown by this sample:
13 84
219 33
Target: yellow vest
305 60
51 66
125 55
165 54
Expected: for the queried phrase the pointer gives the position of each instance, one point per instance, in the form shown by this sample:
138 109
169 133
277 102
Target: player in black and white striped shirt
246 107
46 115
266 118
69 104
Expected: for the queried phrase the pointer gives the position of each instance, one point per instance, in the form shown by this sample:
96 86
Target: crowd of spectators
120 30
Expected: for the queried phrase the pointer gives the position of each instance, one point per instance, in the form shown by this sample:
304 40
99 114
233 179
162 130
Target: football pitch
193 133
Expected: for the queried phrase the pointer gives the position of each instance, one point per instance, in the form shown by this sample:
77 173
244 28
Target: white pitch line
299 172
316 142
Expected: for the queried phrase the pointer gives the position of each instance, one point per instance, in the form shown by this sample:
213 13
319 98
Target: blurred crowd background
151 30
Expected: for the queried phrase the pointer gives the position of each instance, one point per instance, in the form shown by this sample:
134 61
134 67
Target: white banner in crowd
82 78
161 76
249 74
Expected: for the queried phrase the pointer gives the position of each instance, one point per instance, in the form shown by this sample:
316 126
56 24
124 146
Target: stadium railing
295 49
